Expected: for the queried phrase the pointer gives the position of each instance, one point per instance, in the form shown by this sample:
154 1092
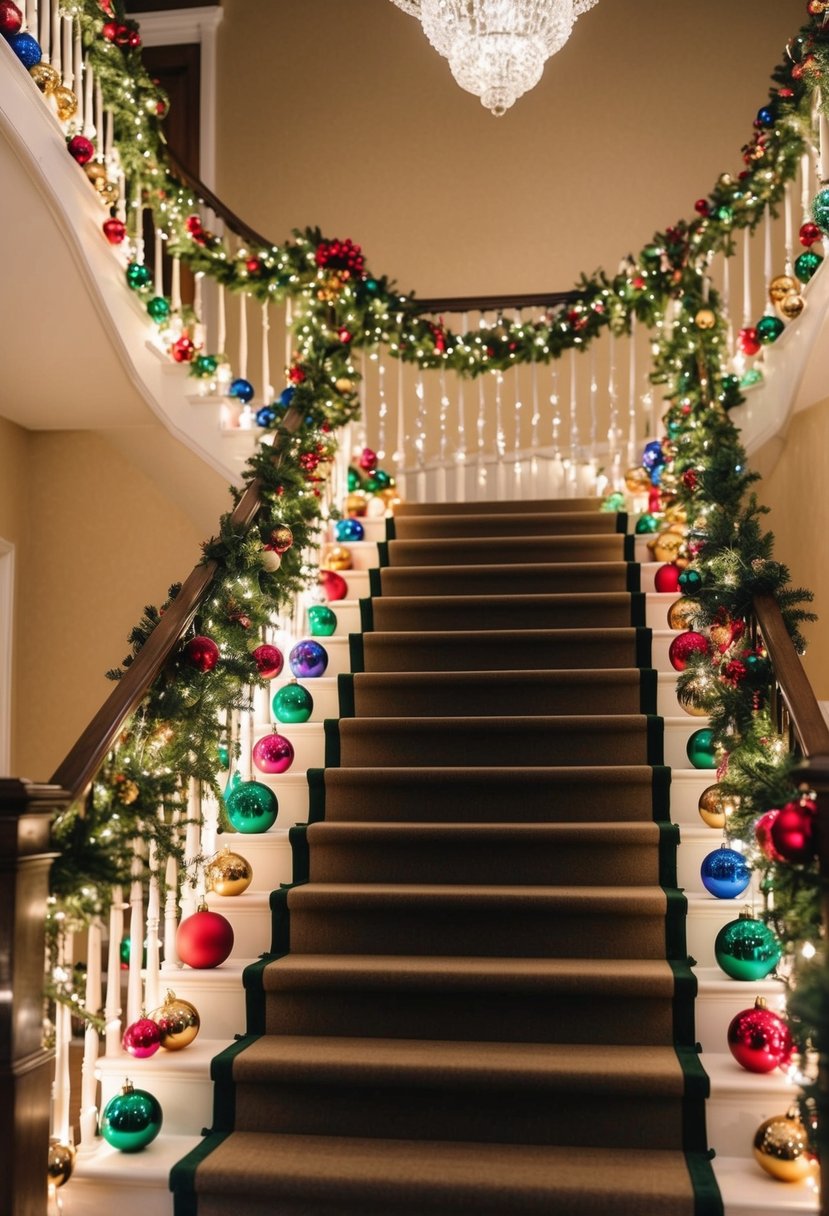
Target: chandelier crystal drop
496 48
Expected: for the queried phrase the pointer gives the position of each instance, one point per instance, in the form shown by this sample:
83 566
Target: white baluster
632 453
138 218
574 456
768 261
420 439
613 432
78 72
136 935
66 53
382 408
200 327
171 960
92 1000
243 335
90 129
63 1037
44 30
158 268
153 967
823 143
480 427
787 217
442 418
55 39
221 334
726 303
112 1008
534 421
175 288
189 898
399 455
594 406
267 387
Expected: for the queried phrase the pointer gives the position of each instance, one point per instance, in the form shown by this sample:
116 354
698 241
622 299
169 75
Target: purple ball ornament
142 1039
308 660
273 754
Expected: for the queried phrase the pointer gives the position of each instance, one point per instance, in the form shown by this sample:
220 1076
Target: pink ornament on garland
269 661
793 831
81 149
202 653
115 231
762 833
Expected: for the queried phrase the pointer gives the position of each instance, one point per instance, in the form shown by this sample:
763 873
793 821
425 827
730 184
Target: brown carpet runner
478 999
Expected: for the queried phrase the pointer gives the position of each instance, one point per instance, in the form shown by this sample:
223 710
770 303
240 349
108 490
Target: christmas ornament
781 285
791 306
748 340
159 309
349 530
700 749
684 647
368 460
637 480
758 669
705 319
667 546
667 577
653 455
292 703
271 561
690 582
712 807
647 524
806 265
725 632
228 873
322 621
680 613
204 366
240 390
205 939
337 558
746 949
142 1039
693 698
281 538
793 831
356 503
820 209
725 873
809 235
353 481
60 1164
333 585
26 48
66 103
125 950
762 833
269 661
115 231
308 660
43 74
202 653
759 1039
251 807
138 275
183 349
11 18
273 754
781 1147
769 329
81 149
131 1120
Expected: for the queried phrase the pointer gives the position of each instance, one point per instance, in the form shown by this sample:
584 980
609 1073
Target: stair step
514 578
741 1100
503 650
475 550
507 524
132 1184
594 610
511 506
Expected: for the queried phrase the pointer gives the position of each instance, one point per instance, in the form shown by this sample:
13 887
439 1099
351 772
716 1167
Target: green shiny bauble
690 582
138 275
382 480
724 214
204 365
750 377
131 1120
159 309
820 209
354 482
769 329
251 807
322 621
292 703
613 502
806 265
223 754
646 524
700 749
746 949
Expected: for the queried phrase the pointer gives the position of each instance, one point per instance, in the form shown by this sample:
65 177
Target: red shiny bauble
690 479
269 661
333 585
667 577
296 375
682 648
762 832
183 349
793 831
748 340
81 149
253 266
701 207
115 231
193 224
11 18
204 939
202 653
142 1039
135 39
759 1039
122 35
810 234
109 30
368 460
345 335
273 753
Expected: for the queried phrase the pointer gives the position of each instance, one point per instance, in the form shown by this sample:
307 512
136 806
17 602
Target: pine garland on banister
178 733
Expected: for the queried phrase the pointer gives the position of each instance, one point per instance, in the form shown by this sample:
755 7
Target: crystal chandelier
496 48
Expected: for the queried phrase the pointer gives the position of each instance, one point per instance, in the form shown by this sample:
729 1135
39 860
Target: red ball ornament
193 224
204 939
142 1039
81 149
682 648
690 479
296 375
183 349
202 653
759 1039
333 585
11 18
115 231
122 35
762 832
368 460
667 577
810 234
748 340
701 207
109 30
793 831
269 661
253 266
344 335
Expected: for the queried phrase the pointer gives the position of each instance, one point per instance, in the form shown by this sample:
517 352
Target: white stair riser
364 554
186 1098
269 854
686 786
719 1002
219 997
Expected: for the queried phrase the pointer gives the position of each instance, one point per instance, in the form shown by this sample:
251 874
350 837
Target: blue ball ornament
241 390
286 397
265 416
26 48
653 455
765 118
347 530
308 660
725 873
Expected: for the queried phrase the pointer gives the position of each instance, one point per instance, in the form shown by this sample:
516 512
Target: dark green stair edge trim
224 1087
685 994
629 550
366 616
255 993
357 661
661 791
675 916
375 581
316 795
648 685
644 638
637 608
707 1197
383 553
331 726
697 1089
668 842
656 739
300 853
345 695
621 521
391 529
281 919
633 577
183 1175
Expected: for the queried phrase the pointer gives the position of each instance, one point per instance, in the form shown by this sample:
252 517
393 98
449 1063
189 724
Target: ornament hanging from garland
762 833
81 149
746 949
769 328
748 341
793 831
781 285
205 939
131 1120
686 647
807 265
759 1039
138 275
280 539
269 661
202 653
115 231
782 1148
681 613
11 18
251 807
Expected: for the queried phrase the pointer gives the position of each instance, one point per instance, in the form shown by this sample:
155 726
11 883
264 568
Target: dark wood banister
78 769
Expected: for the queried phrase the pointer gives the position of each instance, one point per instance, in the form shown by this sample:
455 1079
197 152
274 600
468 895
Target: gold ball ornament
676 514
390 497
344 385
638 480
337 558
178 1022
356 503
791 306
780 286
691 701
681 613
229 873
666 545
712 807
280 539
66 102
45 77
126 790
781 1147
61 1163
706 318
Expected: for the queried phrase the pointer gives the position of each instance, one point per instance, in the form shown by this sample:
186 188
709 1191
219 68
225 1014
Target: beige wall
14 530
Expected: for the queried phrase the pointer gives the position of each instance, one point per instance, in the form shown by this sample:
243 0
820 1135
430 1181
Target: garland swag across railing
725 559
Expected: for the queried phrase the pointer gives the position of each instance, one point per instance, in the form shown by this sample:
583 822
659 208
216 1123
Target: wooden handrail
83 761
798 696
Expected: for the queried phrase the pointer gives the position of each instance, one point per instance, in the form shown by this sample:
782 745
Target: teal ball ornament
292 703
131 1120
820 209
806 265
159 309
646 524
138 275
746 949
700 749
322 621
348 530
769 329
251 807
690 582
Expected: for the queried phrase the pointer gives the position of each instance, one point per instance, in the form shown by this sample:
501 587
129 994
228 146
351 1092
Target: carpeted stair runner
478 998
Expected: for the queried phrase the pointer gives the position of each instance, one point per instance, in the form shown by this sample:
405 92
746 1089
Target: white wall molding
6 651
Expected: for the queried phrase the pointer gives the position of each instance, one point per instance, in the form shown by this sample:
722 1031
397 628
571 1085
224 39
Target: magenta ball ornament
685 646
273 754
202 653
793 831
142 1039
759 1039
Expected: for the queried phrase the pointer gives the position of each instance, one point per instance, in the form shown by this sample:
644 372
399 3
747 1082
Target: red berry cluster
340 255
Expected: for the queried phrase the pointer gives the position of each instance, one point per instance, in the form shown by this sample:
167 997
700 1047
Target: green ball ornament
724 214
820 209
758 670
292 703
354 481
251 807
646 524
746 949
204 365
382 480
750 377
690 582
806 265
700 749
138 276
769 329
131 1120
159 309
322 621
223 755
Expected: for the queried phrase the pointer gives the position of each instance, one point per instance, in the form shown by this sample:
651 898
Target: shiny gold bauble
61 1163
666 545
721 635
344 385
66 102
108 191
705 319
356 503
337 558
638 480
680 613
45 77
781 285
126 790
280 539
712 807
676 514
228 873
791 306
178 1022
781 1147
691 702
390 497
96 172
